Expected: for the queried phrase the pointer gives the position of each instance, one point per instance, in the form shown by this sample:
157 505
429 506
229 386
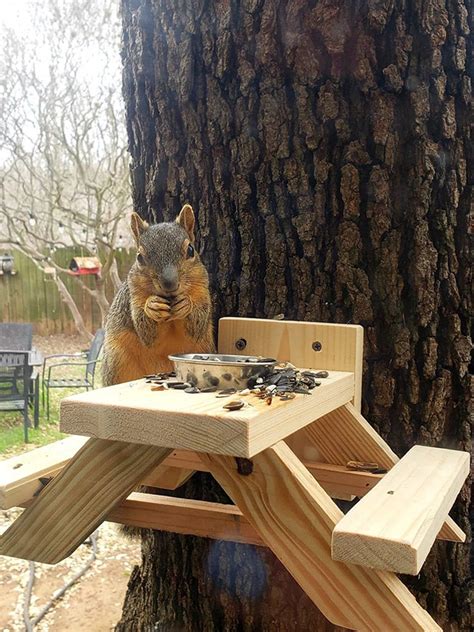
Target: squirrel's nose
169 279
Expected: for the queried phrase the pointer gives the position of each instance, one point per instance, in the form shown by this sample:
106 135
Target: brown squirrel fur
163 307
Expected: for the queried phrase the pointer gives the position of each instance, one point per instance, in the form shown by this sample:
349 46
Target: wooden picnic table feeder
281 464
80 266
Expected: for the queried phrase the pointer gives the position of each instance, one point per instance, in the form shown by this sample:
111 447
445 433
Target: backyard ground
94 602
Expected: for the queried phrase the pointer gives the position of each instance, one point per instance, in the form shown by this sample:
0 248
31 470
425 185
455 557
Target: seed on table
192 389
245 391
227 391
303 391
235 404
209 389
180 386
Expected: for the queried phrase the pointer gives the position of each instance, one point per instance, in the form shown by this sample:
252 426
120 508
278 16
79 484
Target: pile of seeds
283 381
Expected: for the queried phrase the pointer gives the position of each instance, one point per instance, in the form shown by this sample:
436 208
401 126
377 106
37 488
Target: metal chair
15 386
90 359
19 337
14 337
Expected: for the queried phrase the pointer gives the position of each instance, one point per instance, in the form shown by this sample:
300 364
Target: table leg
36 401
77 501
295 518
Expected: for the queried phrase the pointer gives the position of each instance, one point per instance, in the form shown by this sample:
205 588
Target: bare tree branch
64 178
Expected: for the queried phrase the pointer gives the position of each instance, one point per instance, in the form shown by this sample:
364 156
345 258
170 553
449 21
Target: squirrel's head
166 252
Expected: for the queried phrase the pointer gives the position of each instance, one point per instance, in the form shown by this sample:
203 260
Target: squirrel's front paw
157 308
181 307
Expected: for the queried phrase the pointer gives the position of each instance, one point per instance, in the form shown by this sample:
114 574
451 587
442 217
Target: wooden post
295 517
75 503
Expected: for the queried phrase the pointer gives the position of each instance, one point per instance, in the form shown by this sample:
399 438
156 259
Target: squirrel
163 307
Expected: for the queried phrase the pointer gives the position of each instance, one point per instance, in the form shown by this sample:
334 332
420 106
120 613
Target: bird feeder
280 464
80 266
6 265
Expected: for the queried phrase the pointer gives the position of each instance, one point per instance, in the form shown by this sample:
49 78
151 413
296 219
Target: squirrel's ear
186 220
138 226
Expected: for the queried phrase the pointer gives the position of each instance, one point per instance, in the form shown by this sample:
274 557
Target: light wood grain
76 501
166 477
19 484
393 528
131 412
344 435
19 475
189 517
295 517
291 341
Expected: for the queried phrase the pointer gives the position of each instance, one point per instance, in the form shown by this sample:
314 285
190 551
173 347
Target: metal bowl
219 370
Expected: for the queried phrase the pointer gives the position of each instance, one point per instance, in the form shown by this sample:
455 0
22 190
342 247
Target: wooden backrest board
340 347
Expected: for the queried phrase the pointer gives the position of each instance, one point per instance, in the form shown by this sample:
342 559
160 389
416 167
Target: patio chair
89 362
16 378
16 336
19 337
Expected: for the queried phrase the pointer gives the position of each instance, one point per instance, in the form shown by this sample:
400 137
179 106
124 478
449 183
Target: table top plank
132 412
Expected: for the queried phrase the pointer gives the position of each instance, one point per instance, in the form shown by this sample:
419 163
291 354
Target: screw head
317 346
240 344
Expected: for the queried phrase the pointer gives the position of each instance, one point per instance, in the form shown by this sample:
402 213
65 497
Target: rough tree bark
325 147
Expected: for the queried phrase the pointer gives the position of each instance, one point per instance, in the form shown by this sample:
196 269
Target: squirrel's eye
190 251
140 259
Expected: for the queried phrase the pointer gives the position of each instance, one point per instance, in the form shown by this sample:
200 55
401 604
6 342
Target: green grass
11 423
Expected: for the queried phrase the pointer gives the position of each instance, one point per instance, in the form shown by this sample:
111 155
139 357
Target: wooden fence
31 296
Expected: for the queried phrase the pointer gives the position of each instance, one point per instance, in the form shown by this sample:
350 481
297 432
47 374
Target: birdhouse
6 265
84 265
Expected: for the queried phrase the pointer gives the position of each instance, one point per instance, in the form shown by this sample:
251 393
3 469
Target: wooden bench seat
20 476
394 526
23 476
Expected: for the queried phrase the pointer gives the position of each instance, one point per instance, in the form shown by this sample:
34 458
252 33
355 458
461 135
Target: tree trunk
325 147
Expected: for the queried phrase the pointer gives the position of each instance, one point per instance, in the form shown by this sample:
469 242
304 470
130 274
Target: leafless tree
63 163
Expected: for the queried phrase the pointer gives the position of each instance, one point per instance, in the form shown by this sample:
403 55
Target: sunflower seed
228 391
235 404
